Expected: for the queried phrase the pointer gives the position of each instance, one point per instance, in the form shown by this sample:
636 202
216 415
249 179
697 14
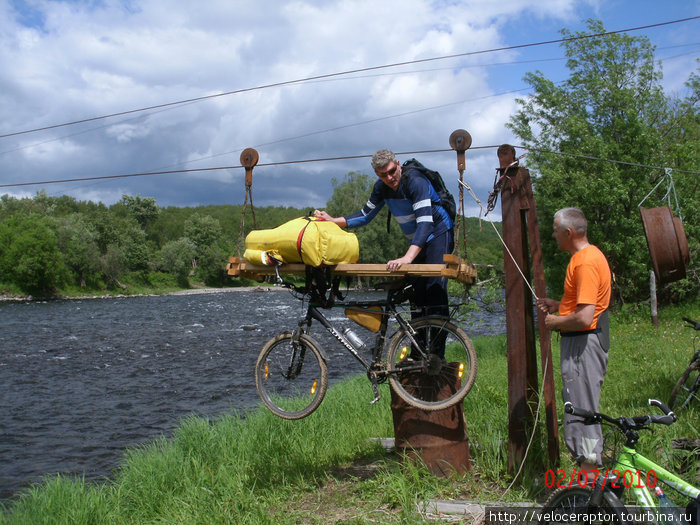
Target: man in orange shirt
582 321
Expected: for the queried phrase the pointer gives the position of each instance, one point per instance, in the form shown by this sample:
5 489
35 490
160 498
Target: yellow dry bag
307 240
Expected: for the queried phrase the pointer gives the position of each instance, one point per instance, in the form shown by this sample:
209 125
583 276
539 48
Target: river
84 379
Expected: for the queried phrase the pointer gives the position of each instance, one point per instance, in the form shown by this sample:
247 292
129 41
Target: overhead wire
418 71
329 159
61 137
164 107
361 123
347 72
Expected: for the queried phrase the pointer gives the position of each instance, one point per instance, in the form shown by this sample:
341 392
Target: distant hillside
134 245
483 245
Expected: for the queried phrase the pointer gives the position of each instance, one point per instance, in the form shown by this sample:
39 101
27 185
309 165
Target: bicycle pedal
377 398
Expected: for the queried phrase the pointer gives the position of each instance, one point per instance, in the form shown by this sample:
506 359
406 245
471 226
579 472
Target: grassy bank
323 469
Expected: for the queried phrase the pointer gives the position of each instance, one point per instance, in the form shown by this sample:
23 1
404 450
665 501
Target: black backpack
447 201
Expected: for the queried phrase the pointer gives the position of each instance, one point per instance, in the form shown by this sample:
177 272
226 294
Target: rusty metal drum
437 439
668 245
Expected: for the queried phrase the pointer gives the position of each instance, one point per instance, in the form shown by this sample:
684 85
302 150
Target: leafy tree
168 226
611 107
211 264
143 210
8 206
137 251
376 245
77 240
30 256
95 245
483 245
113 265
202 230
681 135
206 234
176 258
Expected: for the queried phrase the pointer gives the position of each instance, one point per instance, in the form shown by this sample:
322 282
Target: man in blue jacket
415 205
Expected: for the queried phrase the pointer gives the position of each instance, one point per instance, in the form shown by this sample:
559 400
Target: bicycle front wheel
291 377
437 382
687 387
571 505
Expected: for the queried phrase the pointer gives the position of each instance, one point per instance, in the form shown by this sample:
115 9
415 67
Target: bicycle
687 387
600 500
291 373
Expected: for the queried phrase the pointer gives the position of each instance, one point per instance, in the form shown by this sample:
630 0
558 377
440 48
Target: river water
84 379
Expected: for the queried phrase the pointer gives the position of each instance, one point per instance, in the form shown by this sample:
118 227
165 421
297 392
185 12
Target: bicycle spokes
434 367
291 376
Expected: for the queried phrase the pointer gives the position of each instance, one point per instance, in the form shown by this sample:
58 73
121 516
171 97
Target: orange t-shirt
587 282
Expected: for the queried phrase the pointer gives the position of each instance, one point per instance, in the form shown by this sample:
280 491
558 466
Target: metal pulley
460 141
249 158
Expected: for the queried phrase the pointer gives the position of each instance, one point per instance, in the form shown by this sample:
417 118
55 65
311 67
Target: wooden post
652 293
548 391
520 233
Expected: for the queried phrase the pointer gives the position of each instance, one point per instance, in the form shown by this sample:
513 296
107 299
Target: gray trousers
583 364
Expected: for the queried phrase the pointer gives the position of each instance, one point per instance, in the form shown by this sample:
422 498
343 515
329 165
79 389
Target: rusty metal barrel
668 245
438 439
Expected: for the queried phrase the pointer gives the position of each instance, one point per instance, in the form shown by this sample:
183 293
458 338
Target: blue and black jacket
415 205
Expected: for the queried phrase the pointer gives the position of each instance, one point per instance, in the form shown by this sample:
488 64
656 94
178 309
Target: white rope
534 428
671 189
471 192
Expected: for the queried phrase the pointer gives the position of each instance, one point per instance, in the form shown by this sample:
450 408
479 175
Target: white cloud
66 61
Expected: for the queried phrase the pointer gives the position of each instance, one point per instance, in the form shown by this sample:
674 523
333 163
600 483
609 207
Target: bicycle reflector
404 351
460 370
267 370
313 387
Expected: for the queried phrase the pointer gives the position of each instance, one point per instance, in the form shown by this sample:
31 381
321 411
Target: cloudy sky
271 75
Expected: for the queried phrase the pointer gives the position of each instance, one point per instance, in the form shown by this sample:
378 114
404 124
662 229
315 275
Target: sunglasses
387 173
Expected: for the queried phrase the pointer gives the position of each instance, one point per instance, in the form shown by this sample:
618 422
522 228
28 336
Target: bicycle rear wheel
441 383
291 377
687 387
571 505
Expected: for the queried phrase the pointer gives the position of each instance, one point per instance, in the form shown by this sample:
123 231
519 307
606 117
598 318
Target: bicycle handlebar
625 423
691 323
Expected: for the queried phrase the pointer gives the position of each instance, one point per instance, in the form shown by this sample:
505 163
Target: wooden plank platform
454 268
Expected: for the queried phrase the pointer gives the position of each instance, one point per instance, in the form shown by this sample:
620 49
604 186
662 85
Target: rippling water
84 379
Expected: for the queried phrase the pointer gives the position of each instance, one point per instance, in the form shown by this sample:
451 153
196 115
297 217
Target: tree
206 234
30 256
682 142
113 265
143 210
376 245
176 258
137 251
77 241
202 230
611 107
211 265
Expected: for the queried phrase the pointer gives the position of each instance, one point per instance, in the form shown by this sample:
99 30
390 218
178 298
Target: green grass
261 469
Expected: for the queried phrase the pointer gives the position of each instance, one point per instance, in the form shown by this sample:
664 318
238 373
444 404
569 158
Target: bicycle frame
314 313
388 310
631 464
413 358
